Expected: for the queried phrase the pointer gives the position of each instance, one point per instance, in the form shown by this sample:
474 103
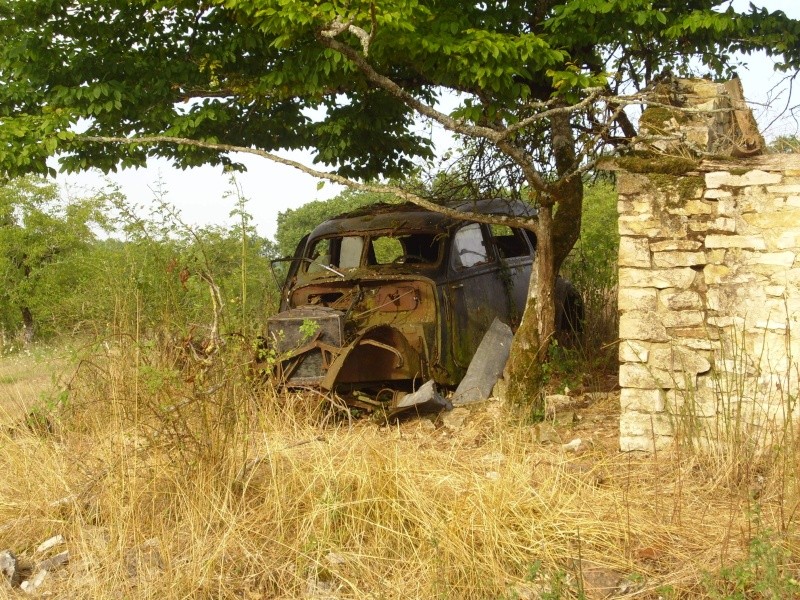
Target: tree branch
530 224
498 136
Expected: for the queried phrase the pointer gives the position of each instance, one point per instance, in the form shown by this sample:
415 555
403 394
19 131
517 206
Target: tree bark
568 192
524 369
545 279
28 329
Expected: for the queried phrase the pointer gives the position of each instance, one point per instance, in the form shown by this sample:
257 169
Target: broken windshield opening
350 252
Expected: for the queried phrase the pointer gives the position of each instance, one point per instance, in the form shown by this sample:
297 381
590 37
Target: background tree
542 84
785 144
295 223
43 241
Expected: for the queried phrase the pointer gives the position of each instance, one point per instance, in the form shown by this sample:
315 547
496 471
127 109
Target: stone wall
709 295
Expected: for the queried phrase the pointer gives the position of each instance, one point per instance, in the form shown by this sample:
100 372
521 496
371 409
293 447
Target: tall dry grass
176 476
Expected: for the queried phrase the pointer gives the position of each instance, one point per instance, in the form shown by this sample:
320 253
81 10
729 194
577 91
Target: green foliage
785 144
351 81
56 273
592 268
764 573
247 72
308 328
172 277
45 254
295 223
593 262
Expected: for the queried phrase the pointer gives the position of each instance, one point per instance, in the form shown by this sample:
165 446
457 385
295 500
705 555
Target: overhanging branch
529 224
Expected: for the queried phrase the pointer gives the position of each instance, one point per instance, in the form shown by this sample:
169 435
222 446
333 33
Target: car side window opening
469 247
422 248
510 243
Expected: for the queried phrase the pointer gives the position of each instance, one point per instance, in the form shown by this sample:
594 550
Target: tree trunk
531 341
523 370
556 236
28 331
545 280
568 192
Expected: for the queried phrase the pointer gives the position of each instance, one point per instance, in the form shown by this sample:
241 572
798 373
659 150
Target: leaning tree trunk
529 348
568 192
556 236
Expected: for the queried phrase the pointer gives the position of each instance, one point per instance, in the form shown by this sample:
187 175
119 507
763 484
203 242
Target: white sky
199 194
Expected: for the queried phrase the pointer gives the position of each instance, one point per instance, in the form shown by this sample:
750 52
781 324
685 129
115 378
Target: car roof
409 216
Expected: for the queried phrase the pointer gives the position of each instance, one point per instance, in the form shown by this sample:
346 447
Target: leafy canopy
268 74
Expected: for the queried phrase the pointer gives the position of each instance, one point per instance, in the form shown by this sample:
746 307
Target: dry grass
24 378
170 480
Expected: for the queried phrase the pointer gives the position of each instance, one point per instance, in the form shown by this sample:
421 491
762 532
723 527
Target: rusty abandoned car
378 301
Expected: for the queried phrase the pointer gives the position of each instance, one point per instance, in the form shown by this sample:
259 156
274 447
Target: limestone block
682 334
782 219
726 207
789 278
644 443
699 344
624 207
752 242
642 325
657 278
699 225
643 401
637 299
633 351
683 318
758 177
686 404
771 349
723 224
698 207
681 359
776 291
720 299
645 225
784 190
750 200
716 194
631 183
793 201
778 259
717 179
672 245
731 273
678 259
680 300
634 252
642 207
716 256
716 274
722 321
646 377
635 424
786 239
772 324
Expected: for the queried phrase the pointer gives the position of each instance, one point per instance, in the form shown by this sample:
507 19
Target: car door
515 259
475 291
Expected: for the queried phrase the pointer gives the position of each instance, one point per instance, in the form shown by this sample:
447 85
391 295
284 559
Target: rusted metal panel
307 339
